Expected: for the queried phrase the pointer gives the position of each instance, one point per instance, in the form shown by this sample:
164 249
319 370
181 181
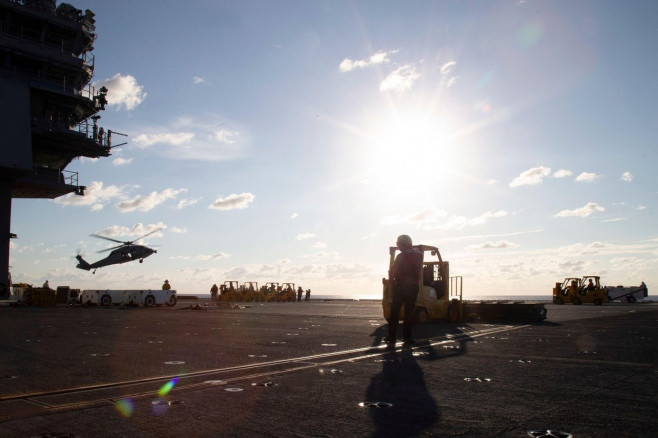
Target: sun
419 145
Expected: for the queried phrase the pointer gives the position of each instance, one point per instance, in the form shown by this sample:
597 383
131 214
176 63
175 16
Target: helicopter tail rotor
82 263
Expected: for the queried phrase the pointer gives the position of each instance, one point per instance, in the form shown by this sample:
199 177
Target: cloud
380 57
447 67
562 173
123 91
432 219
640 207
233 202
198 80
186 203
171 138
304 236
585 211
427 216
319 245
148 202
137 230
294 216
459 222
226 136
587 177
121 161
627 177
491 182
400 80
209 138
531 177
501 244
95 196
448 81
178 230
572 265
326 255
202 257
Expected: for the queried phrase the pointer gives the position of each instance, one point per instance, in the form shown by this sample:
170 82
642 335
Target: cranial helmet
404 240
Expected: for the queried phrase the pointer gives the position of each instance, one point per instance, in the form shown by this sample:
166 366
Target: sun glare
418 146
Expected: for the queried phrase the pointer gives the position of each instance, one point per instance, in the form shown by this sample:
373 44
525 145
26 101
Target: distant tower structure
46 101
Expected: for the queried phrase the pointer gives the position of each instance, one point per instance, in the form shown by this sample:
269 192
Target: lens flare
530 34
125 407
167 387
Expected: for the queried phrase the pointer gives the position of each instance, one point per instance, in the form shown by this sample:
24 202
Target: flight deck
320 369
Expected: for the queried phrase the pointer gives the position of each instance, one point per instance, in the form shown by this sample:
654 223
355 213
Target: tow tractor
133 297
440 296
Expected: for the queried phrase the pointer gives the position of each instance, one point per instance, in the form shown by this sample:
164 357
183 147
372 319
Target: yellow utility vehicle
562 291
249 291
439 295
287 292
580 290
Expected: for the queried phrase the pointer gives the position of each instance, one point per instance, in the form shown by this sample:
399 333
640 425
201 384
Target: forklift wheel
421 315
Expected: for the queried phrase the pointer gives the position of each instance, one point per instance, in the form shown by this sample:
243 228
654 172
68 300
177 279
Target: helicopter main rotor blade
148 234
110 249
109 238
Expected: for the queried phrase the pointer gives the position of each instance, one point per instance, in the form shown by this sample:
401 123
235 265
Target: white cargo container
136 297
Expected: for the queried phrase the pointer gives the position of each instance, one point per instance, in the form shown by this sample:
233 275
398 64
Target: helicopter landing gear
141 260
94 271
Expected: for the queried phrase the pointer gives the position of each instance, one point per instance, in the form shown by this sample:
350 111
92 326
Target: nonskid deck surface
320 369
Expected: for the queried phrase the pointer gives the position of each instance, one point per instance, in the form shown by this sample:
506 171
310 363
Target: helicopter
126 252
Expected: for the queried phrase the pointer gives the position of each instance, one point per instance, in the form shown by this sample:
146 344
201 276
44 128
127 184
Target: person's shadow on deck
398 398
399 401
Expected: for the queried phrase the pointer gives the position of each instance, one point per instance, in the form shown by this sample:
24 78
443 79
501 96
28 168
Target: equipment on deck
440 296
146 298
587 289
436 299
630 293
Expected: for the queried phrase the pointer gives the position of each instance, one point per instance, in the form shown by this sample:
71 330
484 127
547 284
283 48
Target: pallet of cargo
504 310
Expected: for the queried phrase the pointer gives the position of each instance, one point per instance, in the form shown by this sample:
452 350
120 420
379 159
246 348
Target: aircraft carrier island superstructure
47 106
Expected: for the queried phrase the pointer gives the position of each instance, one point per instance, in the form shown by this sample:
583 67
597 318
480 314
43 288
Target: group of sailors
270 292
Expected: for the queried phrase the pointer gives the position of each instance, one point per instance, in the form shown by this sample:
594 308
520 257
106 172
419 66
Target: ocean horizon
345 297
378 297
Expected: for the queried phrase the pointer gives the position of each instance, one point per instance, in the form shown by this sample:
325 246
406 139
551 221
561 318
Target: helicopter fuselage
120 255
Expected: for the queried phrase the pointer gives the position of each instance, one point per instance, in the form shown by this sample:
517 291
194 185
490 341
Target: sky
293 141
